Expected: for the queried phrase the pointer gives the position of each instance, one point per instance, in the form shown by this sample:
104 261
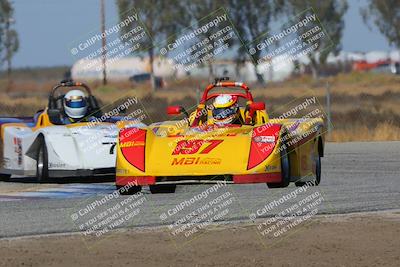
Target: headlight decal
264 139
132 142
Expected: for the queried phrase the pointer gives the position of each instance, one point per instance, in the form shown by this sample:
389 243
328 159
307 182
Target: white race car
43 146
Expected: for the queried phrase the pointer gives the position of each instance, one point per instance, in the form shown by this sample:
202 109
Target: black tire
317 174
5 177
130 190
163 188
285 163
42 162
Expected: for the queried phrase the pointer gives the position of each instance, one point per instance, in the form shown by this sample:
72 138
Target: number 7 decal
193 146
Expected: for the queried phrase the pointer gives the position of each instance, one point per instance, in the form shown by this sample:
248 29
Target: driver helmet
226 109
75 105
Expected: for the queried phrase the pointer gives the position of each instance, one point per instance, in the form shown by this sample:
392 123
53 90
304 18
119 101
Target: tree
160 18
252 18
385 14
330 14
200 12
9 42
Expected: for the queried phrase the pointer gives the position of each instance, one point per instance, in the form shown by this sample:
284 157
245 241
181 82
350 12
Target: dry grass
382 132
365 106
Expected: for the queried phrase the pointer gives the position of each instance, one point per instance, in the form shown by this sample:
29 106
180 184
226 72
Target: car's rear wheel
129 190
162 188
285 171
42 162
317 173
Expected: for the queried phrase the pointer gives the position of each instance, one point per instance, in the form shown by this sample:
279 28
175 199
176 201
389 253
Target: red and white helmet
226 109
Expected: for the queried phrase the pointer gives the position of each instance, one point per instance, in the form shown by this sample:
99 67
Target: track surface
362 176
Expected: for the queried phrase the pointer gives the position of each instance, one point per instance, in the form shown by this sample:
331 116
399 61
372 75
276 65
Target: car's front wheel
285 171
42 162
129 190
162 188
317 174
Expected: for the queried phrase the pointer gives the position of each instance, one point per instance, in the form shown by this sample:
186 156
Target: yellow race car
197 150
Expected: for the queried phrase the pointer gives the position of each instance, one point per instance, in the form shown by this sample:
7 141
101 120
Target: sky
48 28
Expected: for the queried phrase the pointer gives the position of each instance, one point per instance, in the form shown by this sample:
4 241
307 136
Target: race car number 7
187 147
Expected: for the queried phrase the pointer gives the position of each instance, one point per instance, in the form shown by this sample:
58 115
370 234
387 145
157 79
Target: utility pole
103 40
8 53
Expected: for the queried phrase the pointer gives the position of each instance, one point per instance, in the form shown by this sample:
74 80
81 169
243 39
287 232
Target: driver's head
226 109
75 105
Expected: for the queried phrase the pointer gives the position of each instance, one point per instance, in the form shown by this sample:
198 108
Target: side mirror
257 106
252 108
174 110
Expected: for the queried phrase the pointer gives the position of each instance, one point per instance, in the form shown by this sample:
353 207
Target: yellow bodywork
229 157
42 121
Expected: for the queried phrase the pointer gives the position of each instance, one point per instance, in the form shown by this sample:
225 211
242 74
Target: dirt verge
371 239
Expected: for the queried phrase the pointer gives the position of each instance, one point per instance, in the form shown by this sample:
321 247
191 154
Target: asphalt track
356 177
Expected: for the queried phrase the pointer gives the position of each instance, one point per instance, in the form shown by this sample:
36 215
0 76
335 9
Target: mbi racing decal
190 147
196 161
131 144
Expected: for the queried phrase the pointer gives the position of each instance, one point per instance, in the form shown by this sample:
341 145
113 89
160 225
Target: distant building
121 69
135 68
128 68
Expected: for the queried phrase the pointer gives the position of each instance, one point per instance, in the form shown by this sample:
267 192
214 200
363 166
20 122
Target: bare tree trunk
210 72
270 73
314 69
260 77
152 77
238 66
9 78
